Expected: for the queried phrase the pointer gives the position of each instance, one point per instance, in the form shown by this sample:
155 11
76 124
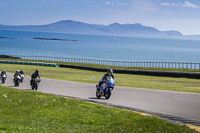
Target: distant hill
192 37
70 26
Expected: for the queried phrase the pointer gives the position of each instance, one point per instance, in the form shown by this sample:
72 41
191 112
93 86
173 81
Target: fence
110 63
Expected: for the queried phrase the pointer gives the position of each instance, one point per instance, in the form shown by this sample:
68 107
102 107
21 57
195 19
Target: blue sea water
99 47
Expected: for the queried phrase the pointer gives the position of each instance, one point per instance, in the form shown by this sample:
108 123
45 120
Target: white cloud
186 4
143 5
168 4
190 5
109 3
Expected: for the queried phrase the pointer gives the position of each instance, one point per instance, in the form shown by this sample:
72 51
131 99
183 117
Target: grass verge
130 80
30 111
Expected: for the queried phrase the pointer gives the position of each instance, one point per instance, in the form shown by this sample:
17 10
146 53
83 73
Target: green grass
130 80
30 111
114 67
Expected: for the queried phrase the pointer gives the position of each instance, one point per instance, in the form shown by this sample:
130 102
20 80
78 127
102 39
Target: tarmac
175 106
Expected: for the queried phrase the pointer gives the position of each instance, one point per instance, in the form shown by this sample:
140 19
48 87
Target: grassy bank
114 67
29 111
130 80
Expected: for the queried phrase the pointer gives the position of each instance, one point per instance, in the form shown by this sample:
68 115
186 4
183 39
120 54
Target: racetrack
179 104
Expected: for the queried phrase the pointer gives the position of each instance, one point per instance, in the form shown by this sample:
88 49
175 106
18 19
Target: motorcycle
17 80
35 83
107 88
22 78
3 78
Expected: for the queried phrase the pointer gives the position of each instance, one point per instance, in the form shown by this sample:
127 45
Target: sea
116 48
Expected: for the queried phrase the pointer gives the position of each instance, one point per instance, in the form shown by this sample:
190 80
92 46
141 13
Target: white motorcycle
22 78
3 78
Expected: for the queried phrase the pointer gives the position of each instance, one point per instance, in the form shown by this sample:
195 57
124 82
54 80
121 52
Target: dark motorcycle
17 80
35 83
107 86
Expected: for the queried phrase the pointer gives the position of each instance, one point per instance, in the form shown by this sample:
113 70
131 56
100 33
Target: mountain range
70 26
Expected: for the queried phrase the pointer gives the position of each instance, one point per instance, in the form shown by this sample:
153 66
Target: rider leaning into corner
3 72
22 72
16 74
35 75
109 73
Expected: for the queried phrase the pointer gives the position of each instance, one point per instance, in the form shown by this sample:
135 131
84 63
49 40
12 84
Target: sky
179 15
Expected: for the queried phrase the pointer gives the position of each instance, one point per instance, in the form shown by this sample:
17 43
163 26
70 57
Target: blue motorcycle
106 88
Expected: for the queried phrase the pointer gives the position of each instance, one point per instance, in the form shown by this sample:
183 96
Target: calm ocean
99 47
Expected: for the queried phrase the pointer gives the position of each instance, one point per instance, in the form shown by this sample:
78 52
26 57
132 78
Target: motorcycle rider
2 73
35 75
1 76
109 73
16 74
22 75
22 72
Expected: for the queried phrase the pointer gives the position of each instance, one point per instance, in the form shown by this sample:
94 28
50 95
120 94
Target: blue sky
181 15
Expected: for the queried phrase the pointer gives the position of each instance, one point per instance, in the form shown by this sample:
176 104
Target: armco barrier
175 65
29 63
139 72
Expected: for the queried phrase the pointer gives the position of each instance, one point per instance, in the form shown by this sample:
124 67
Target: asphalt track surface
173 105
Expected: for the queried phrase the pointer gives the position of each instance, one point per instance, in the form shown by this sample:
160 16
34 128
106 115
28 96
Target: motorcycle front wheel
108 94
16 84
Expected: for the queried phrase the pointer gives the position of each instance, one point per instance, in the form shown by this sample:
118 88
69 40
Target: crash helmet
21 71
110 71
36 71
17 71
4 70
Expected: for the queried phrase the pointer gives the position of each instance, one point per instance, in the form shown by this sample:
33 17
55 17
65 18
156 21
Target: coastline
54 39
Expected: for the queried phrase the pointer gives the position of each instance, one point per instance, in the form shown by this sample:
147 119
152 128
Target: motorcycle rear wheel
98 94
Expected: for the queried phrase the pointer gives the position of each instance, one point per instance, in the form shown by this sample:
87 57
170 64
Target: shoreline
2 37
54 39
10 57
